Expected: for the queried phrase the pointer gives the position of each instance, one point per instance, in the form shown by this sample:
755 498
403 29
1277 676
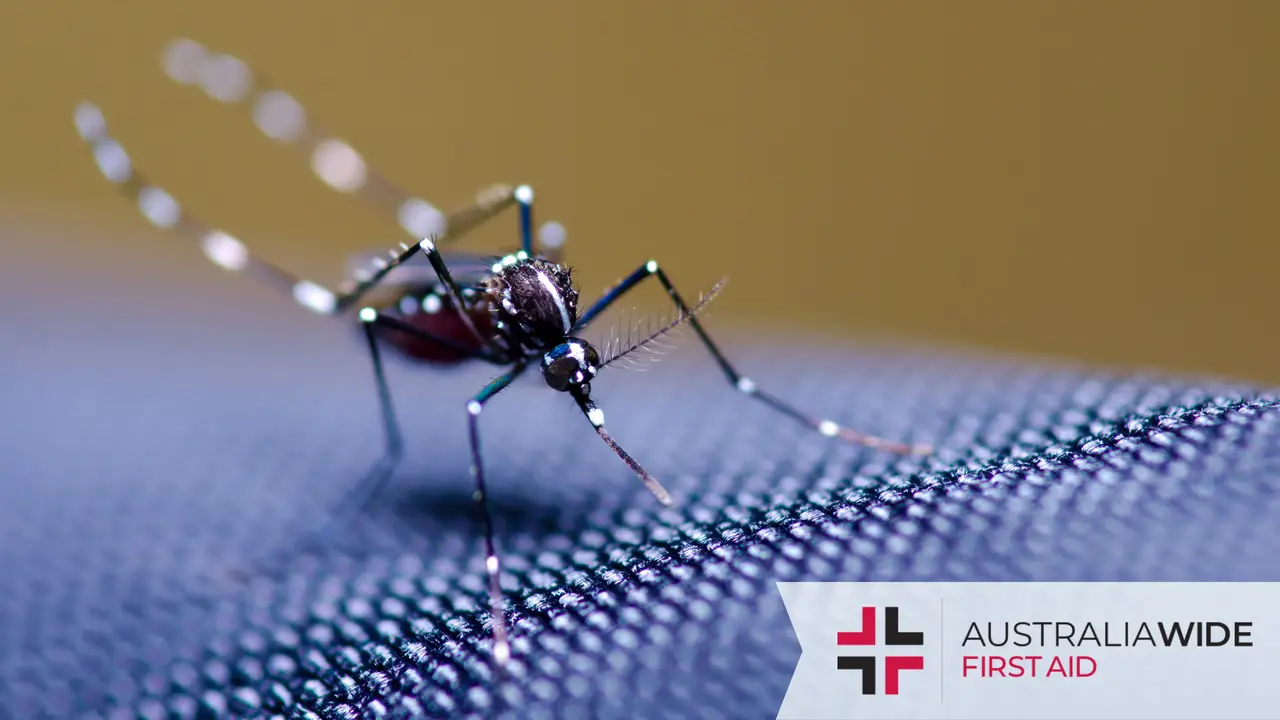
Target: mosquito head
570 365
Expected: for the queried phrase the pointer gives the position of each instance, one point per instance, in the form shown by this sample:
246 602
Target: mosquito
517 311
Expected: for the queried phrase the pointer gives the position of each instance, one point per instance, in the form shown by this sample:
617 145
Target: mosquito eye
560 372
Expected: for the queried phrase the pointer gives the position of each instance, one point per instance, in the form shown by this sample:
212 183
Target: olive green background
1094 180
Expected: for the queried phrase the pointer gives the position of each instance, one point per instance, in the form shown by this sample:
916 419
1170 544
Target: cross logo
894 636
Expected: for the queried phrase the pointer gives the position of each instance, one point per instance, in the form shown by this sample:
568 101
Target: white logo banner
1034 651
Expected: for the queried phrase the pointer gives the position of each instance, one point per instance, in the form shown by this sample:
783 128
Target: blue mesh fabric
143 456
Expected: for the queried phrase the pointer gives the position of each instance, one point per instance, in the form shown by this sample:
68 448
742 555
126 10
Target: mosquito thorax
571 364
533 300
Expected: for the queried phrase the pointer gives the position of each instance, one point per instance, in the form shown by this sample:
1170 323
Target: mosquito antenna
629 331
638 331
653 343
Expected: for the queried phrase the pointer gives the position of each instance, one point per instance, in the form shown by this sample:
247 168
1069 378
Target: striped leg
501 646
229 253
334 161
377 476
743 384
220 247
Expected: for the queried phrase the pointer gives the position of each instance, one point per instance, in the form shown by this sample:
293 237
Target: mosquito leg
501 646
220 247
524 196
744 384
281 117
428 248
377 476
372 484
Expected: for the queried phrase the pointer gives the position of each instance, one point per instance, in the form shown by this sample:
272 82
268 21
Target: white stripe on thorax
555 294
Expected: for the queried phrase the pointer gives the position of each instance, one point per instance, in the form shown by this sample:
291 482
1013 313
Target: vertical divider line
942 626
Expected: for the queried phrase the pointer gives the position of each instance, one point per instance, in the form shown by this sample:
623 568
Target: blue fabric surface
149 446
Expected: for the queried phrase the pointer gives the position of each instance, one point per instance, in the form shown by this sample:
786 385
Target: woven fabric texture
150 446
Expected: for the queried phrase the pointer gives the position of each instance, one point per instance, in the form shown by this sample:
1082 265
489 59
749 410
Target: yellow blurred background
1094 180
